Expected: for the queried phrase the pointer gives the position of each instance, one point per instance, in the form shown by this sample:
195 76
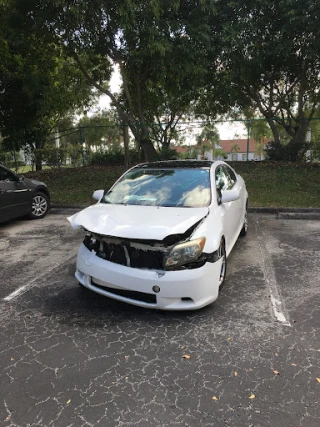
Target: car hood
137 222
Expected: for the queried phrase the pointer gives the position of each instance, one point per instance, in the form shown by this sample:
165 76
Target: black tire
244 229
40 206
222 254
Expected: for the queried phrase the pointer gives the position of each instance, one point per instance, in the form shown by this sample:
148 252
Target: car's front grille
131 255
134 295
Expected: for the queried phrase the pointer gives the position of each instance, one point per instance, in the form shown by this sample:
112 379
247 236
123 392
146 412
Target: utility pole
248 138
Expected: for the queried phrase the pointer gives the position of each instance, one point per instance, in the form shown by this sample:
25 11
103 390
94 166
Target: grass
269 184
274 184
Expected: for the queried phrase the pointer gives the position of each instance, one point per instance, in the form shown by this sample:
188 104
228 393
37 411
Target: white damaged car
160 237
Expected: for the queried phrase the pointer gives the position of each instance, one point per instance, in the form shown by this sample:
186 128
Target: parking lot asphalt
70 357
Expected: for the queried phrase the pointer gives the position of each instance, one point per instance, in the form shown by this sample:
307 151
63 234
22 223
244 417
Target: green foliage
278 151
56 157
168 154
191 153
209 134
38 85
161 47
271 57
112 157
8 159
101 129
176 59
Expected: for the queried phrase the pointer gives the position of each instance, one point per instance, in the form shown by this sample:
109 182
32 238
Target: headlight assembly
91 242
184 253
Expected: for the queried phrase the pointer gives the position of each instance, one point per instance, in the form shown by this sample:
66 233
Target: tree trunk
145 144
149 152
165 141
38 158
274 129
297 146
126 146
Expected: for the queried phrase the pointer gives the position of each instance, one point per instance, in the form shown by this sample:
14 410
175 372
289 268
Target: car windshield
162 187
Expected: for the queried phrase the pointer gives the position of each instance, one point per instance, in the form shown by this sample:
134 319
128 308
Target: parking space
72 358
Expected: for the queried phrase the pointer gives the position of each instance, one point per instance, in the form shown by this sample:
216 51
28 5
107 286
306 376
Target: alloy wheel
39 206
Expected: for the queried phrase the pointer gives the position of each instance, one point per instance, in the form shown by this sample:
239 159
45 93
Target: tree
38 83
160 46
209 140
271 57
209 134
101 129
235 148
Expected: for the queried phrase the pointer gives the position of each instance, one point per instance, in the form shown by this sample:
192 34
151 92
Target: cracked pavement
70 357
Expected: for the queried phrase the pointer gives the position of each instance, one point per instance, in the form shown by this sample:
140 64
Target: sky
228 130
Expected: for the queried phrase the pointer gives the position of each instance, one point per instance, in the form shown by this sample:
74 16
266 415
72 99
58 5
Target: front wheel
244 228
222 255
40 206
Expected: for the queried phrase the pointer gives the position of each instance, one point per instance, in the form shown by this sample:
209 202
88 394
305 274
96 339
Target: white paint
16 292
270 279
276 305
32 283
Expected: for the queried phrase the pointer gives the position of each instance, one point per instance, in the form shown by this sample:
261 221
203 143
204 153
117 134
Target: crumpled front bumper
179 290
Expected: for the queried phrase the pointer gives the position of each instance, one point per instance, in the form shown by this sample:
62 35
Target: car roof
181 164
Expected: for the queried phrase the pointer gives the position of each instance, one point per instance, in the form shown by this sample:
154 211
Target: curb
299 215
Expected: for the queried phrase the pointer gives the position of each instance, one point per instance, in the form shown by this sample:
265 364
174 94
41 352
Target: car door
15 196
237 205
229 211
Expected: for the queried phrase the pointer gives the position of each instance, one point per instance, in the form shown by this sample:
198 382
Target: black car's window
162 187
6 175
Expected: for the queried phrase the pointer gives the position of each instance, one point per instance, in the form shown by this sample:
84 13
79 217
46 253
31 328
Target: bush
278 151
53 157
168 154
7 159
114 157
56 157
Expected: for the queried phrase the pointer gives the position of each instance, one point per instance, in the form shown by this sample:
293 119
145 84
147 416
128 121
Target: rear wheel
222 255
40 206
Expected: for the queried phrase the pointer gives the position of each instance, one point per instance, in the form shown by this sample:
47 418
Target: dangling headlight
91 242
185 252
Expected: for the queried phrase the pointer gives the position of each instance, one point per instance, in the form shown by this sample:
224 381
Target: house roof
180 149
228 144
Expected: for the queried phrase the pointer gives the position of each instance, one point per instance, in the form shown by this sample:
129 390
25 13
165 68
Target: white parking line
270 279
32 283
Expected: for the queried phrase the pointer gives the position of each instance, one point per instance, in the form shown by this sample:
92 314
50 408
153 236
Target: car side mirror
230 195
20 177
97 195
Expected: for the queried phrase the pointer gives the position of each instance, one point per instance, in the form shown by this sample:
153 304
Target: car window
162 187
230 176
6 175
221 179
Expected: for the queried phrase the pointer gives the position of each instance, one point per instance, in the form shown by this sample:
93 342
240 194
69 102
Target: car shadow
80 306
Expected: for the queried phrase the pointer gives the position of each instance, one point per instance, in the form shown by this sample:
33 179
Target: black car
20 196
